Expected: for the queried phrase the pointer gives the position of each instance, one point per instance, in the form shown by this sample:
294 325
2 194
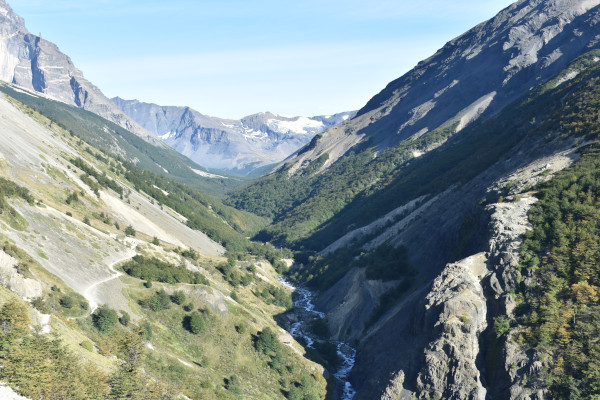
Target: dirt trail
91 292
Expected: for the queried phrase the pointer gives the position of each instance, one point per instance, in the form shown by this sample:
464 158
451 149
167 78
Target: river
304 303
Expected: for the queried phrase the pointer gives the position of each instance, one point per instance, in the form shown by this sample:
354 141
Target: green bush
158 302
267 342
129 231
178 297
125 318
196 322
153 269
104 319
66 302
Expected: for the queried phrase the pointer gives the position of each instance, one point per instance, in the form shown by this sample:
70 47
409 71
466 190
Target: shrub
267 342
125 318
501 326
146 330
66 302
129 231
158 302
104 318
195 323
178 297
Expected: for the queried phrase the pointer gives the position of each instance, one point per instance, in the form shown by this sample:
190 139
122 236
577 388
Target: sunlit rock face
37 64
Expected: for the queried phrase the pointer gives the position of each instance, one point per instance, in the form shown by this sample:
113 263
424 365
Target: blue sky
231 58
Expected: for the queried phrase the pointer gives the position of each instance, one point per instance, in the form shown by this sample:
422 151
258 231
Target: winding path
90 292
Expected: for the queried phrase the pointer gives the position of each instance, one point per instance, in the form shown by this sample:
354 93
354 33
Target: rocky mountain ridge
36 64
234 146
470 79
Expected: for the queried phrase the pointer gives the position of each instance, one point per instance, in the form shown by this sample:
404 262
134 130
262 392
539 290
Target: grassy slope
204 212
198 366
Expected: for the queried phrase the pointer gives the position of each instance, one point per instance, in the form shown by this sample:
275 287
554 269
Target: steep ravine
299 326
435 341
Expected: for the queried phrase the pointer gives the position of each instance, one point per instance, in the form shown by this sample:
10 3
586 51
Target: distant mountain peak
235 146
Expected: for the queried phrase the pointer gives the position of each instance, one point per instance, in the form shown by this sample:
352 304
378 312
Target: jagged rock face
471 77
237 146
457 303
37 64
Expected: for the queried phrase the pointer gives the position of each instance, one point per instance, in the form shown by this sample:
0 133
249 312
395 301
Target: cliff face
37 64
236 146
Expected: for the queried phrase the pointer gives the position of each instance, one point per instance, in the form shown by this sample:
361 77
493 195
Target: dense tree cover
559 310
311 211
302 203
384 262
153 269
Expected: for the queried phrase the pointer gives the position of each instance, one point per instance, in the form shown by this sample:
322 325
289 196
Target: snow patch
163 191
6 393
300 125
168 135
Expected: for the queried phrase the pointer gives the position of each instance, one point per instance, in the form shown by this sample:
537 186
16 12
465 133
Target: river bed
303 302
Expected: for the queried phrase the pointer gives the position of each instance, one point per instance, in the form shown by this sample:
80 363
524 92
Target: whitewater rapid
304 301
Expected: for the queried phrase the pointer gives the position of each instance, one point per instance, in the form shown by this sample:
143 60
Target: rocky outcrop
235 146
38 65
456 311
350 302
12 277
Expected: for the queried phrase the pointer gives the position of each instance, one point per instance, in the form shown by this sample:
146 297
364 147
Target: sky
232 58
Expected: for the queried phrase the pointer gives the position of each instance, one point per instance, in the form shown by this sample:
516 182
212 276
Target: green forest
559 310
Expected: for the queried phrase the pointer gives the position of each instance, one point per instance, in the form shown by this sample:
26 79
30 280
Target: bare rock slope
471 78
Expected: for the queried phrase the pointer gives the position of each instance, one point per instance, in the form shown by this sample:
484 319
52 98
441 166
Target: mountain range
448 231
236 147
